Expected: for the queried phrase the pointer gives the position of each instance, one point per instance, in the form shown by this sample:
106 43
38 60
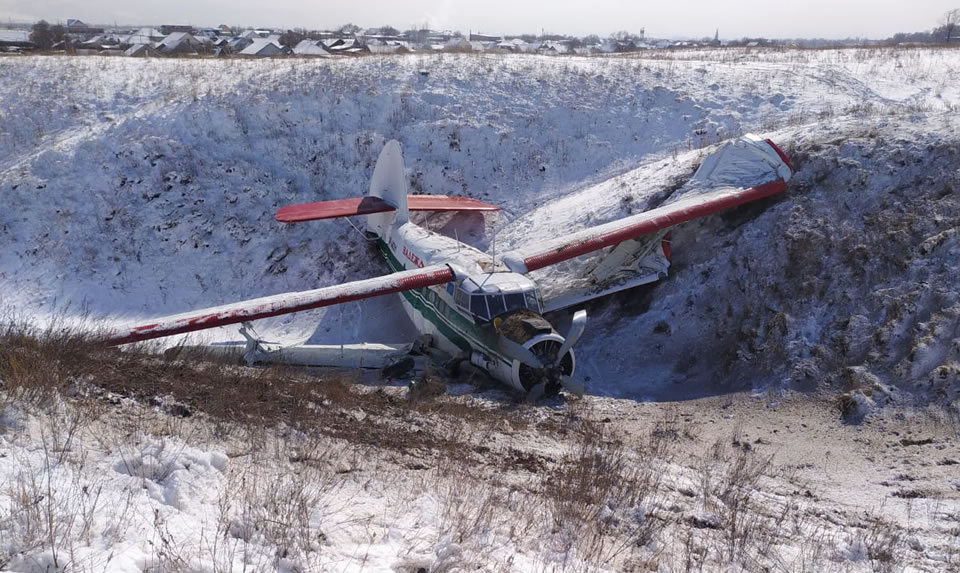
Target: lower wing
278 304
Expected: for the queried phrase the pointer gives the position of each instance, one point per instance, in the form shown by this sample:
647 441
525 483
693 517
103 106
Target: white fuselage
435 310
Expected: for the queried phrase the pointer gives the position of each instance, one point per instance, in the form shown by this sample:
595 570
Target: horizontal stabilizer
282 304
370 205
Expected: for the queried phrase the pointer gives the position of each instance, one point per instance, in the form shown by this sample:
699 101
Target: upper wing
282 304
746 170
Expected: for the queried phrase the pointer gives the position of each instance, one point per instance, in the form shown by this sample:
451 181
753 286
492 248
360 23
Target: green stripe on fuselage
460 330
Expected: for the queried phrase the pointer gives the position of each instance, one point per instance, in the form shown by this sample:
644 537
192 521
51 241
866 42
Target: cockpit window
532 302
495 302
478 306
515 301
496 295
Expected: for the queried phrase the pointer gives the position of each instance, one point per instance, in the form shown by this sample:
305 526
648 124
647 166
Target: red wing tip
782 155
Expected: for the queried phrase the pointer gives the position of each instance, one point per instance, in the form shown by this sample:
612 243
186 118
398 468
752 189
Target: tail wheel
546 350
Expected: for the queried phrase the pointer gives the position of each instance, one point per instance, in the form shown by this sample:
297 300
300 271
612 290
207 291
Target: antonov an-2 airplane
489 311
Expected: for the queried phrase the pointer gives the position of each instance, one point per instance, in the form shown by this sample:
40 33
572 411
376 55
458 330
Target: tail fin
390 184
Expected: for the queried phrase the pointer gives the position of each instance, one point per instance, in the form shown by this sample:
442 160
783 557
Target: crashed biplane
481 309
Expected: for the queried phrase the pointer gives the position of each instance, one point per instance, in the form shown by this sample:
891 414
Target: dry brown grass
39 366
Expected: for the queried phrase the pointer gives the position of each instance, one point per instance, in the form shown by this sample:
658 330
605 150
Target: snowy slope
148 187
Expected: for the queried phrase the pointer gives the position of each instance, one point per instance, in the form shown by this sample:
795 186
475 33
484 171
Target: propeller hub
543 363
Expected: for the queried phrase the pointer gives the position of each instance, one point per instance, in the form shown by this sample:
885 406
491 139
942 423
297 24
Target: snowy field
137 188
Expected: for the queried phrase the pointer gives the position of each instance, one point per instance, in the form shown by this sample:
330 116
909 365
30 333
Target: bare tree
291 38
949 23
59 34
40 36
625 36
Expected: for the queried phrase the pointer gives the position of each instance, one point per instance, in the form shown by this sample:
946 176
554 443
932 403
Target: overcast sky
662 18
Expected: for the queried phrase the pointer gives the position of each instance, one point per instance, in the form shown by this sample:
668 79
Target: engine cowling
544 347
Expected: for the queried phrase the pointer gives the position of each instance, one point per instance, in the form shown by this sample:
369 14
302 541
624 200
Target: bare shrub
601 497
730 472
56 509
38 365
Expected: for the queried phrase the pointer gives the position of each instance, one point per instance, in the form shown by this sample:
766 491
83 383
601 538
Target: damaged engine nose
545 347
537 335
523 325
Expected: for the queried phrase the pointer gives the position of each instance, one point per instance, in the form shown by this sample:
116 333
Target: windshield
487 300
478 306
495 302
515 300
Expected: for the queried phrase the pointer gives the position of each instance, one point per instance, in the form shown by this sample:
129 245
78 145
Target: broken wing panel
603 236
628 264
282 304
745 170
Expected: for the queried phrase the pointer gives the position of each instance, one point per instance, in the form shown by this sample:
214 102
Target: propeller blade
573 385
576 330
518 352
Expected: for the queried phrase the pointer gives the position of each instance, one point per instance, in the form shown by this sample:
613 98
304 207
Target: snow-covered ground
138 188
743 482
142 188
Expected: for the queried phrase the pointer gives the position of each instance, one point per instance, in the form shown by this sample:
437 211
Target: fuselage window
461 298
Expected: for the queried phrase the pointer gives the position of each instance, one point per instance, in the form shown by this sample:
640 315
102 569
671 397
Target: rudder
390 184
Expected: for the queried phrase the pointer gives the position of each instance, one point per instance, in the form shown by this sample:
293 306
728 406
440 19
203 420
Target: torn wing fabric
745 170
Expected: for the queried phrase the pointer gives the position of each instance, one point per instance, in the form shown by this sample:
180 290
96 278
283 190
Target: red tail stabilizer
370 205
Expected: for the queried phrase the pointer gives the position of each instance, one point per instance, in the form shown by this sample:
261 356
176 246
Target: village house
78 30
264 47
484 38
345 46
457 45
553 48
516 45
141 51
388 47
180 43
15 40
143 36
101 43
310 48
237 45
168 29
